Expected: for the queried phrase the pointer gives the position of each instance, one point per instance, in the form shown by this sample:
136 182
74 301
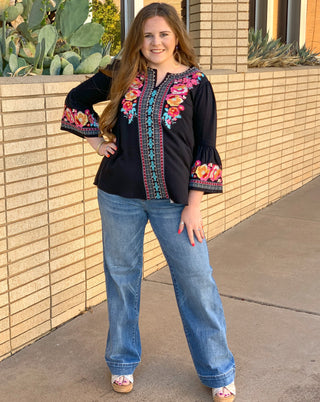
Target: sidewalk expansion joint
296 310
243 299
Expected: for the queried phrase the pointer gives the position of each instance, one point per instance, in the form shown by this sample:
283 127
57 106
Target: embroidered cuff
206 177
83 124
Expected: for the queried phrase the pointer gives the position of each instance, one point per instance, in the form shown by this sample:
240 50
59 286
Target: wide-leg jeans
199 303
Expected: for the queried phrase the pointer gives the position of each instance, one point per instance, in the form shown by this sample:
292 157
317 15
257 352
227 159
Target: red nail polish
179 231
108 156
193 244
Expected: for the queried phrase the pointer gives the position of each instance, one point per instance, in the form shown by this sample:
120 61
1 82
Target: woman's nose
155 39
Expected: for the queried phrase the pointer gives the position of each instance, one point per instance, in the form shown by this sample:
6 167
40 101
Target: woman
157 136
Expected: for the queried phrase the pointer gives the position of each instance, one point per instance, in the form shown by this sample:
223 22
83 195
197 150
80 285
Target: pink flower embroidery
137 82
130 99
179 89
80 119
132 94
216 173
69 115
127 106
203 172
173 111
178 94
174 100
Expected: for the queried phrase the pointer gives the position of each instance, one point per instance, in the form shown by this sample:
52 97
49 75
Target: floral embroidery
129 102
206 172
78 118
178 94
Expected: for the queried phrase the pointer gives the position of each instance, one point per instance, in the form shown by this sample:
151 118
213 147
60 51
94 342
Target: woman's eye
147 35
163 34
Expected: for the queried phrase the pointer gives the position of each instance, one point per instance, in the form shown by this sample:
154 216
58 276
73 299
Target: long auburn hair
133 62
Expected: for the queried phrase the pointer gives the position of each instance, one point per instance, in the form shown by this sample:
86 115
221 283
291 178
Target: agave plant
265 52
50 37
306 56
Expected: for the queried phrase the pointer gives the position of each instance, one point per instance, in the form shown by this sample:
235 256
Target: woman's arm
191 217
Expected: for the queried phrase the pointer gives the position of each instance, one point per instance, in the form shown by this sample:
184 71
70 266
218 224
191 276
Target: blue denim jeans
123 227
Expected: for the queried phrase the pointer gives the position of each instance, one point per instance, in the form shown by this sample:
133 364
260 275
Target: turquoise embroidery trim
151 146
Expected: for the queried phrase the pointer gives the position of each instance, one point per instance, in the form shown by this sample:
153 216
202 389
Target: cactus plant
42 44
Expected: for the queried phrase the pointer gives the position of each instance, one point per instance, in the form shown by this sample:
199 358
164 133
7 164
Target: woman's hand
191 218
102 147
107 149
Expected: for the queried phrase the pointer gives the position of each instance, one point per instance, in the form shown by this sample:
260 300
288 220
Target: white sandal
226 393
117 383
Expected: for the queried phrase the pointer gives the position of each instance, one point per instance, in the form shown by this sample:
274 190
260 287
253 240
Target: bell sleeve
79 117
206 170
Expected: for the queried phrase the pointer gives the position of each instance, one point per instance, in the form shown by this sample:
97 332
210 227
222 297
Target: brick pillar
219 30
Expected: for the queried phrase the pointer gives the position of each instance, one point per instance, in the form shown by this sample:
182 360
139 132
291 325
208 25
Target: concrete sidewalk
267 269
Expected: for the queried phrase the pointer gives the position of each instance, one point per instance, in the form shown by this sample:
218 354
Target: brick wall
50 247
220 33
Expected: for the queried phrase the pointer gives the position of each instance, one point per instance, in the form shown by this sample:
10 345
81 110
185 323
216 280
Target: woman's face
159 43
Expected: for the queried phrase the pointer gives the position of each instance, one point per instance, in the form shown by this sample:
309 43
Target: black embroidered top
165 134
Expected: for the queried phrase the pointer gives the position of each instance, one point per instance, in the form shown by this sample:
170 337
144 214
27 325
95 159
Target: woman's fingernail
192 244
179 231
108 156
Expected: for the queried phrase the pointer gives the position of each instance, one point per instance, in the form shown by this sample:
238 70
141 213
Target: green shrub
108 16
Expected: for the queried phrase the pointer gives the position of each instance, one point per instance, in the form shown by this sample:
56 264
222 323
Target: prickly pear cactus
50 37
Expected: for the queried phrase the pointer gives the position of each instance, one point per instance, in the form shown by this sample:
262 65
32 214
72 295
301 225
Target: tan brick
26 185
30 323
28 276
68 314
22 200
26 172
3 286
23 118
61 87
12 105
27 250
64 200
28 237
30 335
54 101
24 159
65 188
19 147
20 90
29 288
5 348
70 153
30 300
76 301
66 248
67 260
30 312
64 225
66 272
27 212
31 261
96 299
68 289
96 290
